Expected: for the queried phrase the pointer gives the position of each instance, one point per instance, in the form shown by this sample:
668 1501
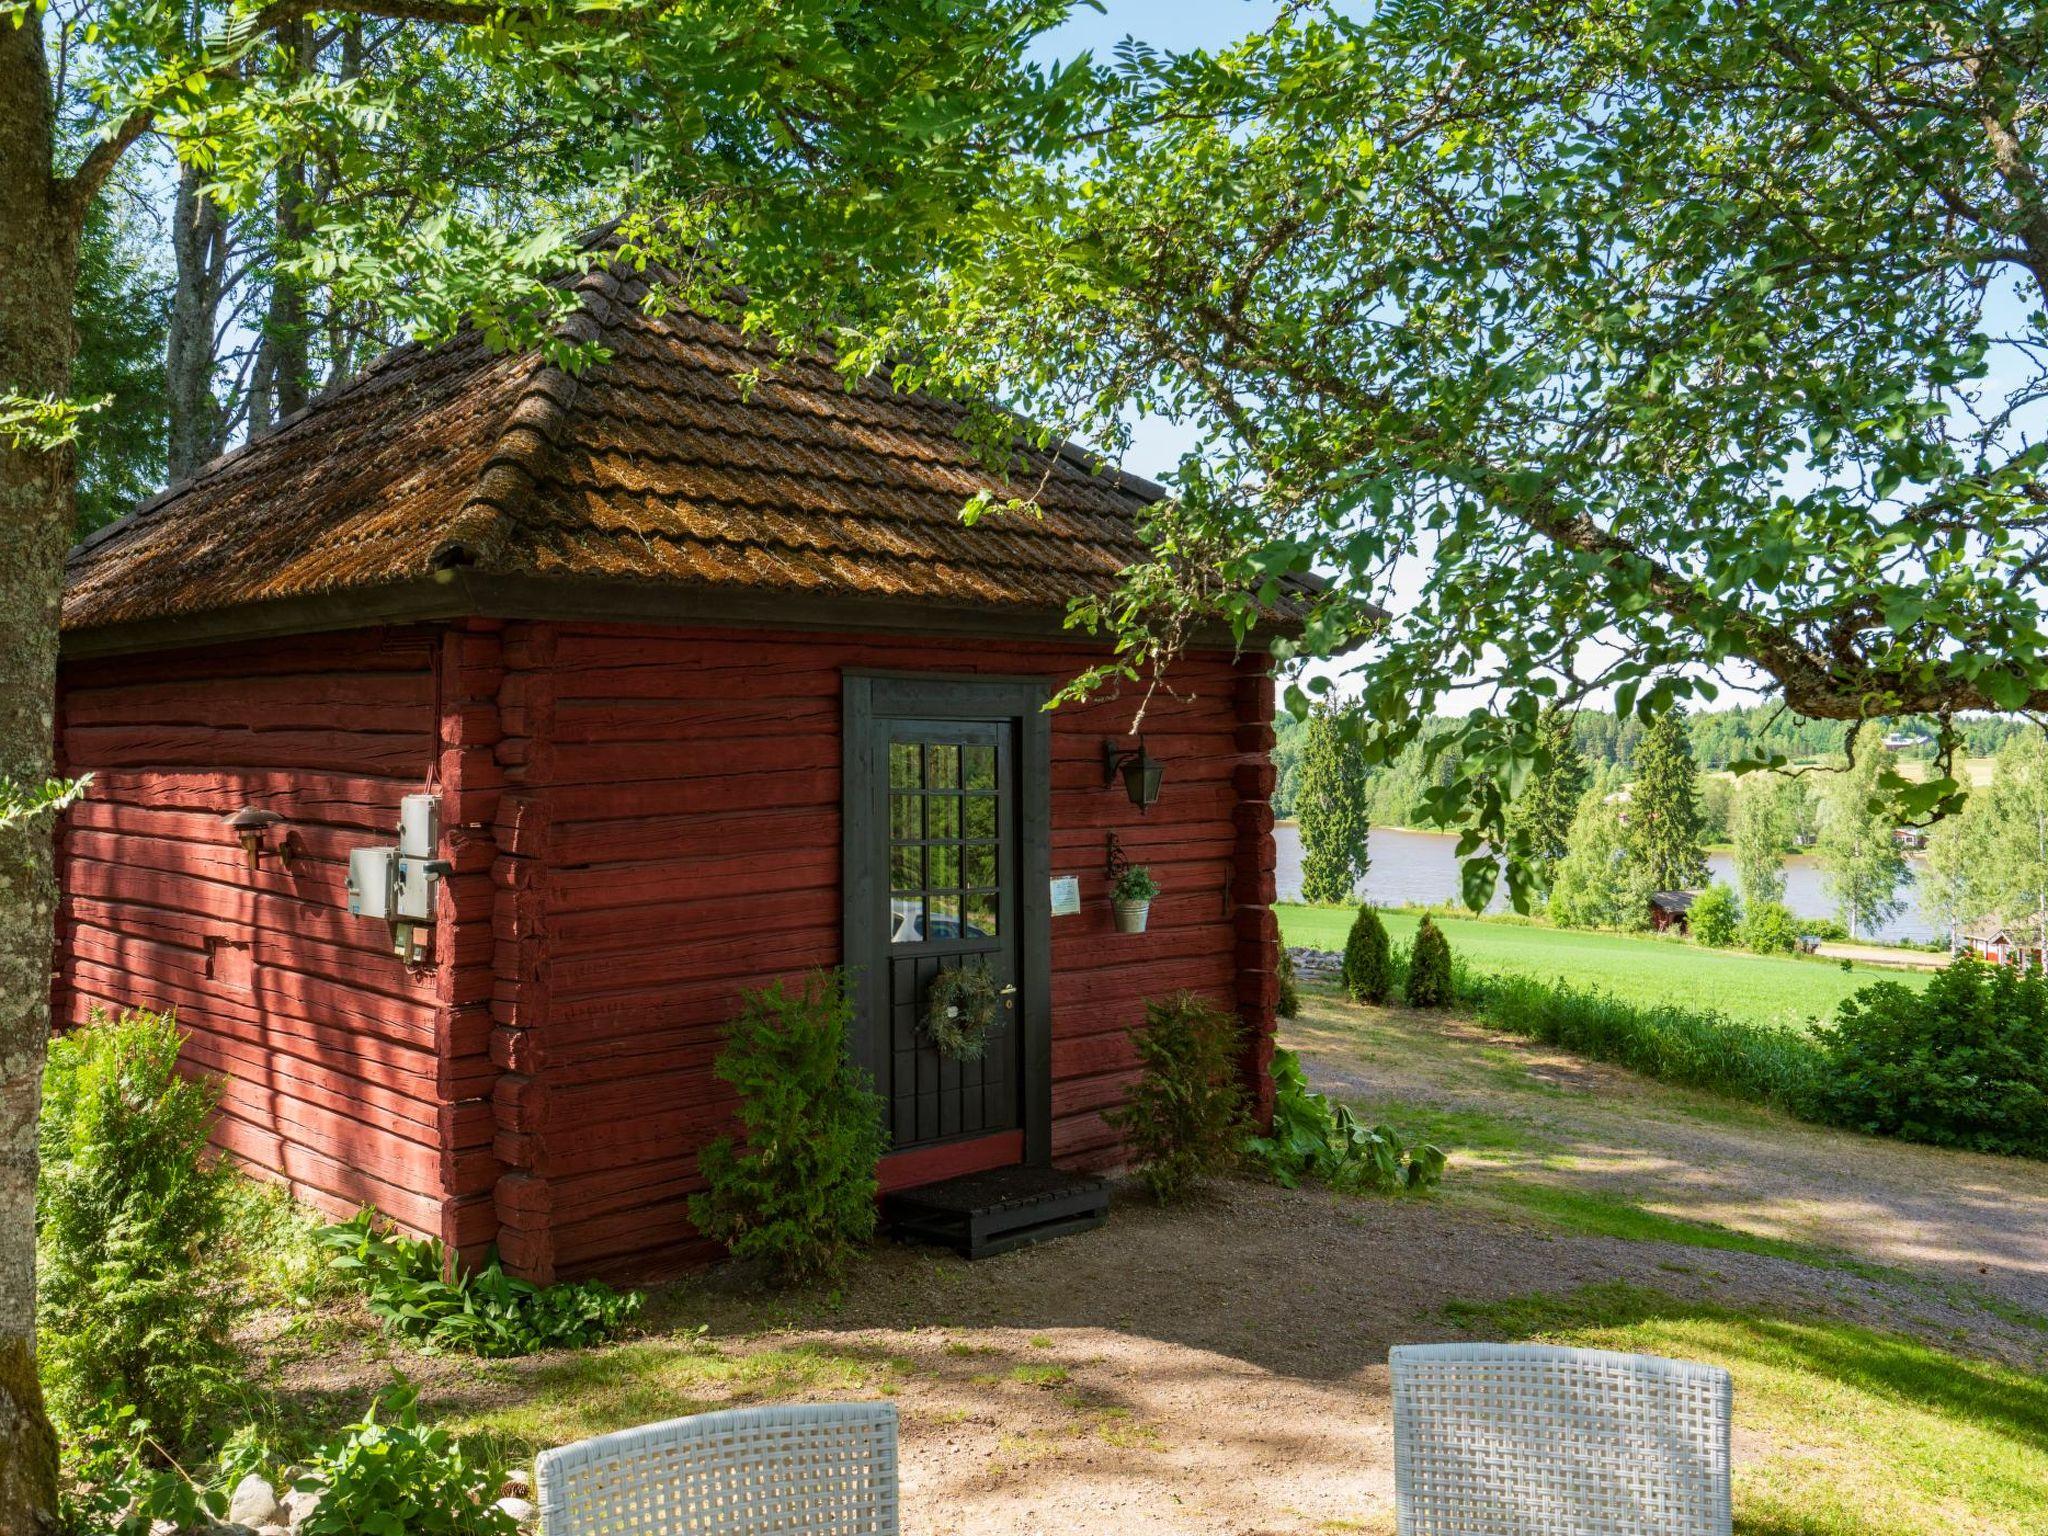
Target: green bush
1429 968
1758 1062
1289 1004
1368 959
1769 928
800 1193
1186 1118
1962 1064
135 1301
1712 918
390 1477
1315 1139
116 1482
418 1295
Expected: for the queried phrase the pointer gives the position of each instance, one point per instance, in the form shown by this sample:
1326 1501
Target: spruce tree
1551 798
1330 808
1664 808
1368 958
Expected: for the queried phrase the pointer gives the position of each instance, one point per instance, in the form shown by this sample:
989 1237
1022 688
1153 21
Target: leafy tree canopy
1711 329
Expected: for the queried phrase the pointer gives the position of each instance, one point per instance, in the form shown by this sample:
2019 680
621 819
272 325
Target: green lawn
1765 989
1854 1431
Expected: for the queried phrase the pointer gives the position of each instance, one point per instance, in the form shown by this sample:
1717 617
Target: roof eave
460 592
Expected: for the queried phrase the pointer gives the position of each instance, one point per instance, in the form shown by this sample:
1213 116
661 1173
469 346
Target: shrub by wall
135 1293
1962 1064
797 1189
1188 1114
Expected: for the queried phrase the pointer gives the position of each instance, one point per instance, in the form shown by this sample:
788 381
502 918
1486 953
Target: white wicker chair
828 1470
1534 1440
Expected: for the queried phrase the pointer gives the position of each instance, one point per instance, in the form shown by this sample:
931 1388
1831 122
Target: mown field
1764 989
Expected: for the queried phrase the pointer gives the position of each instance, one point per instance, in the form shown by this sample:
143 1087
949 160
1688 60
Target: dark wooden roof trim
458 592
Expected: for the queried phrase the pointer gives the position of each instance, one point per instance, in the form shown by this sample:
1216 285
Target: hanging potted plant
1132 896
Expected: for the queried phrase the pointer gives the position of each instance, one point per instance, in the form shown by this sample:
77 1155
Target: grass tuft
1761 1063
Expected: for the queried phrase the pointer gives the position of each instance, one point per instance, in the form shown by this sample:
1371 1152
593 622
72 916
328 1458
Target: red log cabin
679 692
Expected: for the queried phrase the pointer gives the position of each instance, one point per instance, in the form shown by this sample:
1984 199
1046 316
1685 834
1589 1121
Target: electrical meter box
372 882
419 826
397 884
419 838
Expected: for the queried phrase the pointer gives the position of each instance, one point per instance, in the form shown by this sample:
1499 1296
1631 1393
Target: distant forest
1719 737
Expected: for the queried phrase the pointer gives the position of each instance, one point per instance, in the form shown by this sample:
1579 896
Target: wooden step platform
983 1214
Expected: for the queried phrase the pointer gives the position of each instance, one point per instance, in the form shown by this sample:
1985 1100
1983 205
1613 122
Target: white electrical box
397 884
419 826
372 882
413 900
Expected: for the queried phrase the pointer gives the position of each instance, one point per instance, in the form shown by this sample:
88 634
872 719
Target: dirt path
1216 1370
1956 1217
1882 954
1221 1370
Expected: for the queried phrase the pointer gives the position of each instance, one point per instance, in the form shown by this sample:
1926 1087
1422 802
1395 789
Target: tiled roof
650 468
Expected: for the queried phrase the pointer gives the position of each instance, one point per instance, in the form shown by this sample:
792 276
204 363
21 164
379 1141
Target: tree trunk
287 342
39 255
199 242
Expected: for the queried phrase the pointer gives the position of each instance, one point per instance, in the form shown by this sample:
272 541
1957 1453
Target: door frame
871 695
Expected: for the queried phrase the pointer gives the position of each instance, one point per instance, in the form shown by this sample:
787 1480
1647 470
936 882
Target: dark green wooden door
948 896
947 844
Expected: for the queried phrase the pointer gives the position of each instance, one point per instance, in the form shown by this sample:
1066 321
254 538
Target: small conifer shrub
1429 968
1368 959
1290 991
796 1190
137 1300
1187 1118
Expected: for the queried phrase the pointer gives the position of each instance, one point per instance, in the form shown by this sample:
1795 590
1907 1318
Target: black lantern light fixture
1141 772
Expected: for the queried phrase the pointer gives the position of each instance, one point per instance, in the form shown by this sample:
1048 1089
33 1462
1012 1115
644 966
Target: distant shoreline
1727 849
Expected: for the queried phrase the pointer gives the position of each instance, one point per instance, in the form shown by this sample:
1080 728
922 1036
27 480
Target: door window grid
945 872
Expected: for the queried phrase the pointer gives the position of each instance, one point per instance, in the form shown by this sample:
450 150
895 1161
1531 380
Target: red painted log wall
643 821
340 1063
676 798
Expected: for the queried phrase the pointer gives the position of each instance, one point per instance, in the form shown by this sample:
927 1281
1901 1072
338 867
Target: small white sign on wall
1066 895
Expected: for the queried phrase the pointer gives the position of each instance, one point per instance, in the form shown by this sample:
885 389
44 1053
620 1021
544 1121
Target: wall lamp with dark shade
1141 772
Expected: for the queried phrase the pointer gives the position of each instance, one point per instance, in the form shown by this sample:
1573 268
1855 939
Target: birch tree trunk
199 244
39 255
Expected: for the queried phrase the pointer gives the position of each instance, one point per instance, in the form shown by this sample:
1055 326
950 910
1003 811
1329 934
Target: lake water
1420 868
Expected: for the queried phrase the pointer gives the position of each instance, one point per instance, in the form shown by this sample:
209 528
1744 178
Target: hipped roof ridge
527 439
